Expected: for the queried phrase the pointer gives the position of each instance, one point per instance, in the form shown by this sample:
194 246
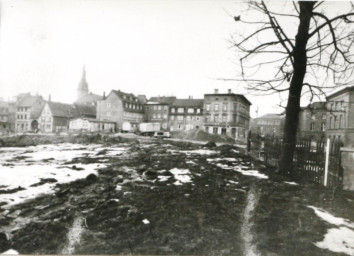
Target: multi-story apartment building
55 116
227 114
186 114
312 120
121 108
340 116
268 124
157 110
28 110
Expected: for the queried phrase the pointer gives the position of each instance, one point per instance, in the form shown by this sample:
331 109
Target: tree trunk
293 105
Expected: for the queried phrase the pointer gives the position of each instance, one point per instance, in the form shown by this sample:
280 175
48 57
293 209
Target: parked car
162 135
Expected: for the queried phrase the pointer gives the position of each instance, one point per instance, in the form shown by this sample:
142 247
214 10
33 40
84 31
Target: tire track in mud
249 245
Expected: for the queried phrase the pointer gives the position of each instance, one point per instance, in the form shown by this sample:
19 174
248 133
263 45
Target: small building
90 125
312 121
7 116
227 114
268 124
186 114
28 110
121 108
55 116
340 116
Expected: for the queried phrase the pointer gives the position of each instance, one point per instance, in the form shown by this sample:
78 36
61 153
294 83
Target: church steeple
83 85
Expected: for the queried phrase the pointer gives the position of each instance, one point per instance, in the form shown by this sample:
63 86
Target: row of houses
332 119
217 113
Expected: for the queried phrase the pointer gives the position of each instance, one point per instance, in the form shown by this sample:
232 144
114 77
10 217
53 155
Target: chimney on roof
104 95
229 91
49 98
216 91
190 97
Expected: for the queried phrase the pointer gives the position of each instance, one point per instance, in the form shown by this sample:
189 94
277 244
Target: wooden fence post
326 162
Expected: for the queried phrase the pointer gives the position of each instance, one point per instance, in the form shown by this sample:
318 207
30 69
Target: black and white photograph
177 127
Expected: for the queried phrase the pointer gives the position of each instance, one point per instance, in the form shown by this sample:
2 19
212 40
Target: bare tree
317 57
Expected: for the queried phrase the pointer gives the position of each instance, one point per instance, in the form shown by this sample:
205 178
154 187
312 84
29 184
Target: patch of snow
163 178
229 159
74 236
181 175
145 221
198 152
291 183
326 216
233 182
10 251
114 200
118 187
340 239
244 172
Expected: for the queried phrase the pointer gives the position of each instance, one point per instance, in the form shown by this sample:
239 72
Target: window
190 110
216 118
159 107
172 117
207 106
312 127
165 116
323 127
172 110
313 117
180 110
155 107
180 118
198 110
341 123
324 116
188 118
197 118
158 115
108 105
224 107
165 108
330 123
216 107
224 119
154 116
335 122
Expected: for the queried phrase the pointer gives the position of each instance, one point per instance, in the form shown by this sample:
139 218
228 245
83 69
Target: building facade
7 116
268 124
156 112
227 114
313 121
340 116
55 116
186 114
28 110
121 108
90 125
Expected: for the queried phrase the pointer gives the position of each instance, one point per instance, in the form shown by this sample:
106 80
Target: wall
347 159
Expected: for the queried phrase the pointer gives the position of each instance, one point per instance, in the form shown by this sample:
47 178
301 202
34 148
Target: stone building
28 110
268 124
186 114
312 121
55 116
121 108
227 114
84 96
340 116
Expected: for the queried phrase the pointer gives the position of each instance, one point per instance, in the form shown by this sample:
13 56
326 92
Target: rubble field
157 198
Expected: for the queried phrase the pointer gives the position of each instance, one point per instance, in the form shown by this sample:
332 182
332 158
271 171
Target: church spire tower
82 90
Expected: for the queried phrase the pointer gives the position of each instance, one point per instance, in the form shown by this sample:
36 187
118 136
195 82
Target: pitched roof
188 103
28 100
346 89
163 100
127 97
89 98
270 116
229 94
70 111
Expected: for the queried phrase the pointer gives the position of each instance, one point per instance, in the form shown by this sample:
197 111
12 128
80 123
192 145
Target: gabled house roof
270 116
163 100
71 111
28 100
344 90
188 103
127 97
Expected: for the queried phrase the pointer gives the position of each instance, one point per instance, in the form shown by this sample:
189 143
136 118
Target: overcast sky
159 47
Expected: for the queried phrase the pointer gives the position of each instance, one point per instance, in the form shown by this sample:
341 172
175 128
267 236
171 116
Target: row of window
131 106
22 109
157 107
336 122
268 122
188 118
23 117
3 118
313 127
189 110
158 116
130 98
225 107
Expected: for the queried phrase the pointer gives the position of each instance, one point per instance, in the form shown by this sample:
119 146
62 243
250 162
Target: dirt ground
174 199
